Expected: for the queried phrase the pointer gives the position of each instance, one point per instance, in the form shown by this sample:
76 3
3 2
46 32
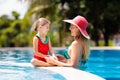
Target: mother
79 48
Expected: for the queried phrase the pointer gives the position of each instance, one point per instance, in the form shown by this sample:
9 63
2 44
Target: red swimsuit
42 48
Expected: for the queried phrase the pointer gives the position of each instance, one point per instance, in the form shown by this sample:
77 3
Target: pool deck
105 48
60 48
68 73
73 74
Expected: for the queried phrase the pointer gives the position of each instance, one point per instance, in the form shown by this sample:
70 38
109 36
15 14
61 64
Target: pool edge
72 74
60 48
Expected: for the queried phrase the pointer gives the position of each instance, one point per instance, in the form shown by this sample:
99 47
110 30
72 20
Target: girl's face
74 30
44 29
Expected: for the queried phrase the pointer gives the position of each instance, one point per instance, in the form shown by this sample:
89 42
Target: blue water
105 63
14 65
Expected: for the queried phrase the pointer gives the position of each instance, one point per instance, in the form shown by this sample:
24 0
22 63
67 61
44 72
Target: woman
79 48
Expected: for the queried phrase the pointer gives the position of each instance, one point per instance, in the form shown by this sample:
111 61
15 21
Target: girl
41 43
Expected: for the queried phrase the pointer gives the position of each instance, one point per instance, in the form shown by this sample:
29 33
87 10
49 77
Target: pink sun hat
81 23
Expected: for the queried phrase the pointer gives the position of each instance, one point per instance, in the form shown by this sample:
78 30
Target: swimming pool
14 65
105 63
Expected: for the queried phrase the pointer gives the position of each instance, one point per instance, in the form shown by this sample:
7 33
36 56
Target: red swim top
43 47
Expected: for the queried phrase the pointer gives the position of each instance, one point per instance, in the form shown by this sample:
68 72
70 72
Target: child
41 43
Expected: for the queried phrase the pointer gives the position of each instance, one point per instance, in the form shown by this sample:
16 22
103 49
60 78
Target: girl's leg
39 63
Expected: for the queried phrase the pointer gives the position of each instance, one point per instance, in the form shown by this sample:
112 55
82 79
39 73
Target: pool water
15 65
105 63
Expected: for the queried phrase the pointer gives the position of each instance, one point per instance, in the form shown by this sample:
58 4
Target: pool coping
59 48
73 74
105 48
69 73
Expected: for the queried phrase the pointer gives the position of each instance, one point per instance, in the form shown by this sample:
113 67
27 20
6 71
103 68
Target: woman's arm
51 60
35 48
74 55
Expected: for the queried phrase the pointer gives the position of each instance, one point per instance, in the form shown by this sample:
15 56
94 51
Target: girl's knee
33 62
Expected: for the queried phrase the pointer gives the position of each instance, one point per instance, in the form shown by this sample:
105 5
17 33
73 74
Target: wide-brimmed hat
81 23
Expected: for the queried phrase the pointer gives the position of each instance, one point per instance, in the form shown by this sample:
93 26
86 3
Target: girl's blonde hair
85 46
40 21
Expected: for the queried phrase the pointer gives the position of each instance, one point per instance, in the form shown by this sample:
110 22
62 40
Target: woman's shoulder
75 44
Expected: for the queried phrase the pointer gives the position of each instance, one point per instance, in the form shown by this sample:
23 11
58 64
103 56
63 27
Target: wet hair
40 21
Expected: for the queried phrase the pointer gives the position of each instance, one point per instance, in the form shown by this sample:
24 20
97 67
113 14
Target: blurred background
17 17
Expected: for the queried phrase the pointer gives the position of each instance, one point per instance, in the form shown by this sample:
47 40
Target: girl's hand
54 57
50 59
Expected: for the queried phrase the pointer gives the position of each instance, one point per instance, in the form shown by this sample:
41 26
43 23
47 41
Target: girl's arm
50 49
35 48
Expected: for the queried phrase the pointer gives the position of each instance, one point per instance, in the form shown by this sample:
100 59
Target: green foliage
15 14
20 40
3 41
54 38
4 22
14 33
30 37
102 43
103 17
